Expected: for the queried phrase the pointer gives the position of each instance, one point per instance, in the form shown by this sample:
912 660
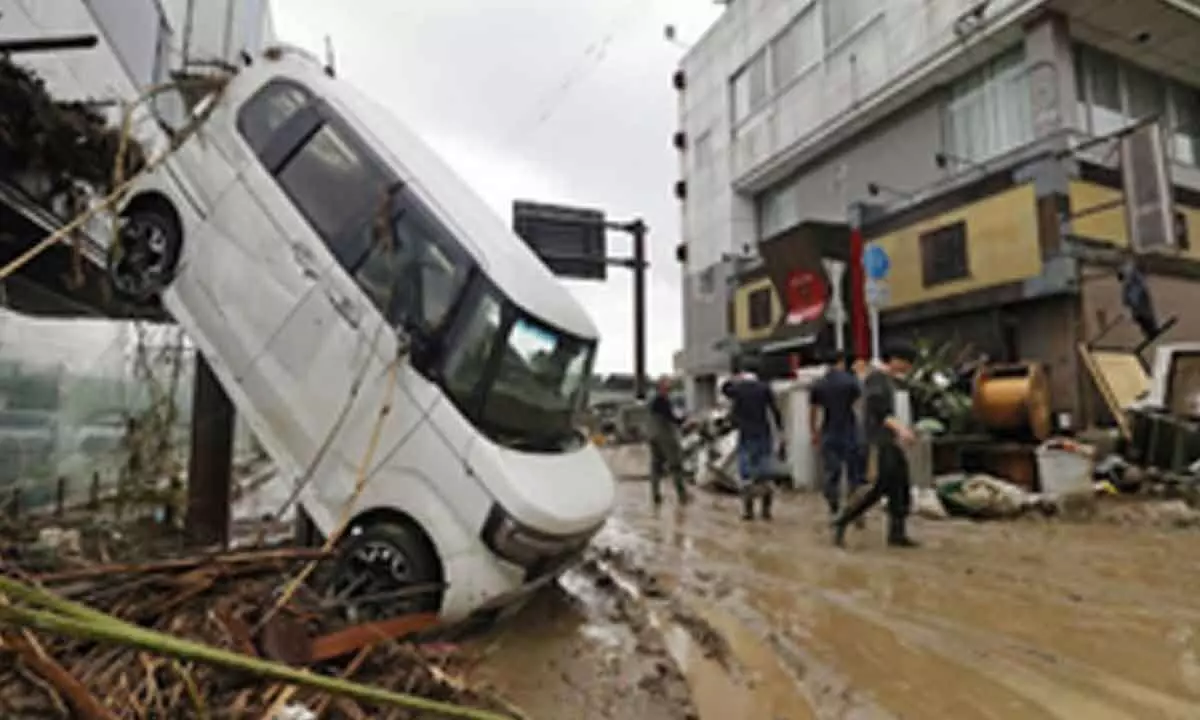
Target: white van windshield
521 381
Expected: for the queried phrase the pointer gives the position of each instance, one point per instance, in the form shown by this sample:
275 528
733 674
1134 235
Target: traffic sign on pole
878 293
876 262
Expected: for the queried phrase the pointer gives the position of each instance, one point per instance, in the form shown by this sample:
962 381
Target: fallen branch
82 623
83 701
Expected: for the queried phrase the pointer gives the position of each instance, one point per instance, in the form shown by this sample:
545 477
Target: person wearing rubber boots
886 437
666 449
753 410
836 429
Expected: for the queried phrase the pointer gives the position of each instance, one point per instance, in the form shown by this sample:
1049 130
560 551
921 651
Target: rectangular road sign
570 240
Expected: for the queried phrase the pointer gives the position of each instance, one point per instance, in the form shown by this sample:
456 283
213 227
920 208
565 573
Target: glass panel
467 361
1147 93
267 111
331 183
844 16
757 75
407 267
797 48
1186 133
1105 93
539 387
989 112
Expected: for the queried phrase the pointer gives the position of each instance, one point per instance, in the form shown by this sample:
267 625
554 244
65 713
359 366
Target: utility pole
637 229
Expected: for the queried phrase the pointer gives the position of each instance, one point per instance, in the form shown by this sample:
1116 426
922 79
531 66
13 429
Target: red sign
806 297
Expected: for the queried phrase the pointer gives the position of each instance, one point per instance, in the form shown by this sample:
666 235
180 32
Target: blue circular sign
876 262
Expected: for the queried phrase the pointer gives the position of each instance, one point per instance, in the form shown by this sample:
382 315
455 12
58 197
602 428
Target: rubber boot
898 533
656 490
839 532
681 491
747 504
768 497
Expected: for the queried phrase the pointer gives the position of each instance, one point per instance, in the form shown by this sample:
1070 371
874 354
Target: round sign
806 296
876 262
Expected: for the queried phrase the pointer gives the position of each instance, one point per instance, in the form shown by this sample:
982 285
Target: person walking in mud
666 449
886 435
834 401
753 411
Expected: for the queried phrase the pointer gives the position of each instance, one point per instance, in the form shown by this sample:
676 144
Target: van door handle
347 308
305 259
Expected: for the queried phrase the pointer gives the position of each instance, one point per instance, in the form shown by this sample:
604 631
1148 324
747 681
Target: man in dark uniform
666 450
886 435
835 427
753 410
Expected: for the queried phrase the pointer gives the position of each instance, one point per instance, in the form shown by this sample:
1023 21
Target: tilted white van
306 240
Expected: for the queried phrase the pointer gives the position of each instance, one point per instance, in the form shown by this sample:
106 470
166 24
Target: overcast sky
555 100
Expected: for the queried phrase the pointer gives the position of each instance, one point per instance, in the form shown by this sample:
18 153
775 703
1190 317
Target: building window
944 254
750 88
1113 93
758 306
989 110
843 17
797 48
1185 132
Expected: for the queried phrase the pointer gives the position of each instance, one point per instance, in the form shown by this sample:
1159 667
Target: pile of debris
66 142
74 643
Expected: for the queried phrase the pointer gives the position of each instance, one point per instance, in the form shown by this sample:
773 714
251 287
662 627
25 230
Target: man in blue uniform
834 418
753 410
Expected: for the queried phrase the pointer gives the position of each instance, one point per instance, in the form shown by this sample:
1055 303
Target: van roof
506 259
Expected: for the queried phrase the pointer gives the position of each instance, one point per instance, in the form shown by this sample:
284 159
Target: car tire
382 558
142 262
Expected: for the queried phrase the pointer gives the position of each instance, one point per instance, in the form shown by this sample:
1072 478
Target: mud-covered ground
692 612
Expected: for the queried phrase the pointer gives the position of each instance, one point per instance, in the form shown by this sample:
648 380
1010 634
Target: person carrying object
833 414
753 410
886 437
666 449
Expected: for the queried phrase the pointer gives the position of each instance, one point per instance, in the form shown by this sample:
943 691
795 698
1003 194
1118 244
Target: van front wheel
143 257
384 570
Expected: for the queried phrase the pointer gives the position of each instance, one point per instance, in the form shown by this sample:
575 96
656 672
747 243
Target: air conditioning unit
1149 203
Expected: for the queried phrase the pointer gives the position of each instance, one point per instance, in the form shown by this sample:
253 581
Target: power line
593 56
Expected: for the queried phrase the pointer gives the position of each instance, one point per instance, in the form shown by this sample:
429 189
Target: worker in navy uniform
752 412
886 437
666 449
836 431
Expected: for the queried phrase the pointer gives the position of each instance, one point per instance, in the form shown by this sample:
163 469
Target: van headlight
523 545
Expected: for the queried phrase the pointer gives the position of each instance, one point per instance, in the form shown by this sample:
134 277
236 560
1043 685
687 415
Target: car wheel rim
143 257
369 578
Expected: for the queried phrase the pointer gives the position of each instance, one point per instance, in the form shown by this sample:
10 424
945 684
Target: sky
552 100
566 101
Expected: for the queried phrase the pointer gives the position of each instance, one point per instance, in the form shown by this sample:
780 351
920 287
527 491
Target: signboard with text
569 240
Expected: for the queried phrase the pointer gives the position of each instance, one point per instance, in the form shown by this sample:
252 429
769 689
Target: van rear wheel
143 258
384 570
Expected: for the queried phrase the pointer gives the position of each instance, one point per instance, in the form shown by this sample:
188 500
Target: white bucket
1064 471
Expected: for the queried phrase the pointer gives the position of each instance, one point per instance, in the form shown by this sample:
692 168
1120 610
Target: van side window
266 112
333 183
411 268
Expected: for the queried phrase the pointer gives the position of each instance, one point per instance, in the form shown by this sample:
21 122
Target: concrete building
946 128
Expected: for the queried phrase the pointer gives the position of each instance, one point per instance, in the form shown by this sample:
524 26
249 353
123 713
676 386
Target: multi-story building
950 132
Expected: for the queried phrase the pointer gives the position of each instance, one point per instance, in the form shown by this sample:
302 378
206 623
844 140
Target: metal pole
210 468
874 313
858 285
638 229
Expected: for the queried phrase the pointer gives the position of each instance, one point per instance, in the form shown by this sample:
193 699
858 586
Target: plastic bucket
1064 470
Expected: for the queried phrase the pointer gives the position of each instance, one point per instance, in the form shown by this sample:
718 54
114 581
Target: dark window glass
265 113
334 184
467 361
410 267
759 309
944 254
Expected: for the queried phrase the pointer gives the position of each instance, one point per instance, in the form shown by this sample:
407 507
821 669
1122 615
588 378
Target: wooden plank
351 639
1106 391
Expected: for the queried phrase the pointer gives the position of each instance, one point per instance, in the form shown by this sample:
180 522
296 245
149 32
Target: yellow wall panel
1110 225
1002 247
741 311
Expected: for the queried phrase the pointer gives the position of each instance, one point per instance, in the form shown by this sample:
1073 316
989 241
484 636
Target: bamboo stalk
139 638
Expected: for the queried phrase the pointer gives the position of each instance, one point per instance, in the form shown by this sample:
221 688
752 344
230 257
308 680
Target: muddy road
693 613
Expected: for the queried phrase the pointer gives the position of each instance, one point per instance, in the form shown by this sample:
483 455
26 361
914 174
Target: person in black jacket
753 410
886 437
